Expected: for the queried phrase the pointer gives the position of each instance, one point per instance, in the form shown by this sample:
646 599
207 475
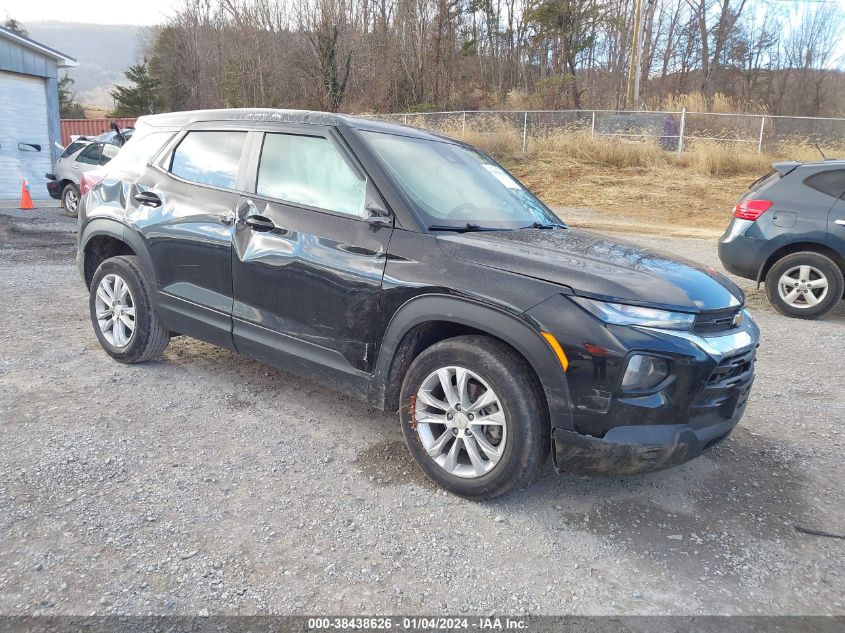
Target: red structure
89 127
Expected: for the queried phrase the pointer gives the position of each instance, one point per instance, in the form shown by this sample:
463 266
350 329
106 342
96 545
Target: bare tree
393 55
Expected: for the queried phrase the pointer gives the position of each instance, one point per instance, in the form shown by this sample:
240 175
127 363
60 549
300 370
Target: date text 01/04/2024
417 623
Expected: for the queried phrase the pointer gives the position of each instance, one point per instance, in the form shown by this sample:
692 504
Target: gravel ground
205 482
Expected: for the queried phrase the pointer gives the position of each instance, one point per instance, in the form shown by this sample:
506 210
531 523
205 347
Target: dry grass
715 159
697 102
95 112
636 183
631 181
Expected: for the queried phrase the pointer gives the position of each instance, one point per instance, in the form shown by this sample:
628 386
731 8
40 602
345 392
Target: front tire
474 418
804 285
122 312
70 200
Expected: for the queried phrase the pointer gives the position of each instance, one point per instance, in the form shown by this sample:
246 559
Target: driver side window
309 170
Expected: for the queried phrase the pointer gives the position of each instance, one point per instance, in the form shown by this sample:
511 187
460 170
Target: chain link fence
673 131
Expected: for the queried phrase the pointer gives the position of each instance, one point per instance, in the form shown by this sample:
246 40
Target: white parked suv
79 157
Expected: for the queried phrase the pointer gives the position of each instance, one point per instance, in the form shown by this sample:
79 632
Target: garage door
24 135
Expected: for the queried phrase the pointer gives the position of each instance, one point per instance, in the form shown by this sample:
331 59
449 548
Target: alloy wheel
460 422
71 200
115 311
802 286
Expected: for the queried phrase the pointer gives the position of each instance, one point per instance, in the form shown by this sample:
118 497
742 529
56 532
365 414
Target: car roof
270 115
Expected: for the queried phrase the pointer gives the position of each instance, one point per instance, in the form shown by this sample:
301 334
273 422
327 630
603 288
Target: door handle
148 198
840 222
259 223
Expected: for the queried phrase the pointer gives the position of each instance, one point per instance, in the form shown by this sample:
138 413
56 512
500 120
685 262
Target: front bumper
630 450
612 432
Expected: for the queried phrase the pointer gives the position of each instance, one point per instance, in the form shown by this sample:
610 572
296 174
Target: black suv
411 271
788 230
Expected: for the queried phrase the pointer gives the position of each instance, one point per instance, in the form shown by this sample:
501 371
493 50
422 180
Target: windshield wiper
541 225
466 228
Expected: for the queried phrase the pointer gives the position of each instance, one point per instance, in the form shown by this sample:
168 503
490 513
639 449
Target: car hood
594 265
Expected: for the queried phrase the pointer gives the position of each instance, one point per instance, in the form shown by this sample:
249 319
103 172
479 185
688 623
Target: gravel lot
205 482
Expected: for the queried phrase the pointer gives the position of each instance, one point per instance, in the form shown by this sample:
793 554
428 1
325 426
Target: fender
117 230
515 331
815 242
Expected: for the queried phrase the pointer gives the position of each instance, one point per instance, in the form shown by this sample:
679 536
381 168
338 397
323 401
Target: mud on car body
413 272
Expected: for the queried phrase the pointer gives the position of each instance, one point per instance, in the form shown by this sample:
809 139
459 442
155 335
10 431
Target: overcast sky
141 12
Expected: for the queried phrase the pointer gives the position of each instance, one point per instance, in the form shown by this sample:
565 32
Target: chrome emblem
738 318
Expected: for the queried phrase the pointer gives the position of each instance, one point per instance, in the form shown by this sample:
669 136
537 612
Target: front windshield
453 186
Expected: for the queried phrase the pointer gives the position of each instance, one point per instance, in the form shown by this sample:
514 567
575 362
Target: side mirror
377 216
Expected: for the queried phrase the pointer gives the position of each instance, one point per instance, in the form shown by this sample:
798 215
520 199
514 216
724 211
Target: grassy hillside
104 52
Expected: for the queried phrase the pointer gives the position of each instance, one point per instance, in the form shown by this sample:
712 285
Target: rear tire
122 312
805 285
70 200
446 433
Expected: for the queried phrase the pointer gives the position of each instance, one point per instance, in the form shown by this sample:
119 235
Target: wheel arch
428 319
798 247
103 238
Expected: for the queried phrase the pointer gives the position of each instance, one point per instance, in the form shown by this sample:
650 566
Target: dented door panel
190 246
311 284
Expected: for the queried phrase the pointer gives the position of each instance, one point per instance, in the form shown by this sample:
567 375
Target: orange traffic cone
26 199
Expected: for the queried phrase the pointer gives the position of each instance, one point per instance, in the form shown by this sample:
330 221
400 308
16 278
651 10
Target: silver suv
79 157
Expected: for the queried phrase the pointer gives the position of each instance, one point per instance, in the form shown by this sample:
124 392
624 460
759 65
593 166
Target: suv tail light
751 209
90 180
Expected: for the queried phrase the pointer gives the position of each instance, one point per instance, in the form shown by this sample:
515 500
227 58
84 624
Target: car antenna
820 151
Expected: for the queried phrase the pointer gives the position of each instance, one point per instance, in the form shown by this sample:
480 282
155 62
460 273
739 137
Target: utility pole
632 94
640 37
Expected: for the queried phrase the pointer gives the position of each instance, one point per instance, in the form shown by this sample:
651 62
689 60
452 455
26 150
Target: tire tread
155 337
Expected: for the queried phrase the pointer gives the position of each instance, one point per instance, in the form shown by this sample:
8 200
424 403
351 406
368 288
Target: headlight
623 314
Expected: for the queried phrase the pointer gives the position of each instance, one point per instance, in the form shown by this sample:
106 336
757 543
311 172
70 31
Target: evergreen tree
69 108
13 25
140 97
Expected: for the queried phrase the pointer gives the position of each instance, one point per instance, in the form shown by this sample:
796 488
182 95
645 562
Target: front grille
719 322
728 387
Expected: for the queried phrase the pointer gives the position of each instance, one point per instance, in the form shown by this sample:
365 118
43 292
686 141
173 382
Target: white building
29 113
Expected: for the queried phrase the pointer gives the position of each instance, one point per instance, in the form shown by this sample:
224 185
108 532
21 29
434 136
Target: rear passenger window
209 158
309 170
830 182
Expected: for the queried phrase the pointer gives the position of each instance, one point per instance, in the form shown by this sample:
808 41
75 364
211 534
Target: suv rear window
764 181
209 158
73 148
